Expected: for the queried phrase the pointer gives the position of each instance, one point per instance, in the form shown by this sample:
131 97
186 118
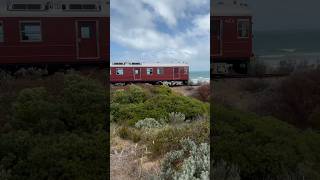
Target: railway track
240 76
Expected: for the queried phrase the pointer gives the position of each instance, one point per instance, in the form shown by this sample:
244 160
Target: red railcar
149 73
54 32
231 36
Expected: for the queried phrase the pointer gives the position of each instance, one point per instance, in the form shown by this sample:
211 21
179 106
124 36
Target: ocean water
297 46
199 76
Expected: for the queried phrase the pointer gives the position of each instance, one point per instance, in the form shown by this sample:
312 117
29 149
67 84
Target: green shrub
134 94
34 110
191 162
157 107
261 147
222 170
163 89
83 104
167 139
69 156
148 123
176 117
129 133
54 132
175 103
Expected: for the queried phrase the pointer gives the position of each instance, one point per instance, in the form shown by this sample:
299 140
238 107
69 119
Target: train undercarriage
230 67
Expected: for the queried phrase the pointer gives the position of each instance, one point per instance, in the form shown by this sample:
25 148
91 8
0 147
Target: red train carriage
54 32
231 36
172 74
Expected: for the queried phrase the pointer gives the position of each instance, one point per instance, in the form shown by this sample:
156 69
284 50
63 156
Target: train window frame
240 34
21 23
118 70
160 71
1 32
149 71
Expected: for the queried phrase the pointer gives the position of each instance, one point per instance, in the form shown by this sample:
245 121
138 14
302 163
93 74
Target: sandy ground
129 161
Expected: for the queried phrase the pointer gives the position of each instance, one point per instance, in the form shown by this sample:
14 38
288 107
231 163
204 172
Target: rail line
240 76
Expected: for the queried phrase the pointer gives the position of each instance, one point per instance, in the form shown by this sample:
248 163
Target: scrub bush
129 133
148 123
176 117
167 139
53 131
157 105
191 162
263 147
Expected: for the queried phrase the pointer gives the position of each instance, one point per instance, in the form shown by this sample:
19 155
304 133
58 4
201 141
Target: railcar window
243 28
160 71
119 71
149 71
30 31
85 32
1 32
185 70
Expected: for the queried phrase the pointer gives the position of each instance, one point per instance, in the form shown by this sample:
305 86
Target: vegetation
158 118
52 127
133 104
191 162
264 147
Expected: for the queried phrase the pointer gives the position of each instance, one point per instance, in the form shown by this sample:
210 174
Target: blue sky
161 31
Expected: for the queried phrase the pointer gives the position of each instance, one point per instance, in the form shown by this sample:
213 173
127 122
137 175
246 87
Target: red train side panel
149 73
231 36
55 35
227 40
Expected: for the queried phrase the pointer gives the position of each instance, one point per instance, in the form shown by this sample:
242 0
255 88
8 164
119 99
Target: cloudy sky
161 31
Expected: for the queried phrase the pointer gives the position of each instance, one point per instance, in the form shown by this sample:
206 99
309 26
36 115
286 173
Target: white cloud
135 25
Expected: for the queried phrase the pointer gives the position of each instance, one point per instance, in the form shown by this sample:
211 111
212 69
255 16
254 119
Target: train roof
230 8
148 64
54 8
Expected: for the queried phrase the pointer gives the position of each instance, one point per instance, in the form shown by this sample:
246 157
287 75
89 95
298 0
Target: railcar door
137 73
176 73
216 36
87 40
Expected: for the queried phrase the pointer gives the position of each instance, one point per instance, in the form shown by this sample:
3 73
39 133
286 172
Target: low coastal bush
254 85
192 161
54 131
264 147
156 103
176 117
295 99
203 92
167 139
134 94
148 123
129 133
